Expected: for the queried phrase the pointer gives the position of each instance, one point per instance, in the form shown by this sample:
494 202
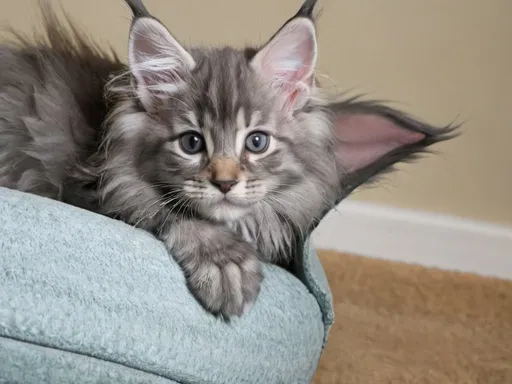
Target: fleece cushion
88 299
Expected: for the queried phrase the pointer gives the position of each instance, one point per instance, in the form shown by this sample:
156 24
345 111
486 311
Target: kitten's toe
233 293
242 285
247 307
240 288
205 283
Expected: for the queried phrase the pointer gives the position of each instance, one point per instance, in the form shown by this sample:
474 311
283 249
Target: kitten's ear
157 60
372 137
288 60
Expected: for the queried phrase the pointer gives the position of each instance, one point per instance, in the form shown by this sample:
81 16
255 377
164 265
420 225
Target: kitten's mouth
227 209
230 202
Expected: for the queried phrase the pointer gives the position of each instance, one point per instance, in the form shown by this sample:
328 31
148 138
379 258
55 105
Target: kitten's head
229 131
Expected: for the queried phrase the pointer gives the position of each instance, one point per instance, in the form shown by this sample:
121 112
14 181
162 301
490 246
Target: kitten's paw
228 281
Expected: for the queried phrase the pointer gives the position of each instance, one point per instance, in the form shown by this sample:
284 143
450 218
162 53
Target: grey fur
307 9
62 137
138 8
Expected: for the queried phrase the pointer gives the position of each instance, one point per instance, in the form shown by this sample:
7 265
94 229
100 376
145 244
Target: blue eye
257 142
191 143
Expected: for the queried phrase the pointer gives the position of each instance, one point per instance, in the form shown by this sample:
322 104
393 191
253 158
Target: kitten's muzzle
224 173
224 185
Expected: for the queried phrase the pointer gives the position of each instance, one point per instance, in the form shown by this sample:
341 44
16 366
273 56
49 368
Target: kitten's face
225 132
229 147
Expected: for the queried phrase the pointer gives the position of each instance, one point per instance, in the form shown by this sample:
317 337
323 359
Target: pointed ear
371 137
288 60
157 60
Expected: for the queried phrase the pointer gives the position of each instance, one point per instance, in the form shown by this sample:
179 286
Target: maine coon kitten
228 156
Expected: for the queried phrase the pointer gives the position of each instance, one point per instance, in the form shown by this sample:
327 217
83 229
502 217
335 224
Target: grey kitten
230 157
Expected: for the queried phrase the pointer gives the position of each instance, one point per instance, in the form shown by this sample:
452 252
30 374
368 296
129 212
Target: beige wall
439 59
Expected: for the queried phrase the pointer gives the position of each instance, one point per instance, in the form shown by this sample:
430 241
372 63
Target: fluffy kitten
230 157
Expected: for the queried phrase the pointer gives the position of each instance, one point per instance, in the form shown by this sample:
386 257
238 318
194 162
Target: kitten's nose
224 185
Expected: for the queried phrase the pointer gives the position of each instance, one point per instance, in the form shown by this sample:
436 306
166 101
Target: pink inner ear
288 60
155 56
364 139
294 68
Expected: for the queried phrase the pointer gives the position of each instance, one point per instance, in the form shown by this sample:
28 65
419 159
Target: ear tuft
306 10
138 8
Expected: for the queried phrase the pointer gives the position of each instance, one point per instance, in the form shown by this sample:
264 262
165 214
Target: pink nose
224 185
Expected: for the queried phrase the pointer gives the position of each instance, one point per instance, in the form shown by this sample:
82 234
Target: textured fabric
51 365
83 297
310 271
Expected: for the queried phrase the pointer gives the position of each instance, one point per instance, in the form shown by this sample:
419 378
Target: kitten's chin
225 211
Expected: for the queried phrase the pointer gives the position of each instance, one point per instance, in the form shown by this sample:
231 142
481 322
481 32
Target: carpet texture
397 323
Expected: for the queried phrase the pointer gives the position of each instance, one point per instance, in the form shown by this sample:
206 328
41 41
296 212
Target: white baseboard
423 238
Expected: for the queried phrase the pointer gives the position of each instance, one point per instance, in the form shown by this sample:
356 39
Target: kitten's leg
223 272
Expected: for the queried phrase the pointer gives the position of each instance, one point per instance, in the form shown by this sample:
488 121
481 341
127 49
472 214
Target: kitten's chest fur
272 235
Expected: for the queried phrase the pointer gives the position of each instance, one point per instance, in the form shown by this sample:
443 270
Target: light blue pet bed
87 299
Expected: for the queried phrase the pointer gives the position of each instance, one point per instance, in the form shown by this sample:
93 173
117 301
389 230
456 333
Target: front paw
226 280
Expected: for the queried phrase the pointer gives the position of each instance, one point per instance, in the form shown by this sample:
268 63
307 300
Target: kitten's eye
257 142
192 143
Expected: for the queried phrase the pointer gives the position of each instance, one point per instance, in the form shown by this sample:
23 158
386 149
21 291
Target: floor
397 323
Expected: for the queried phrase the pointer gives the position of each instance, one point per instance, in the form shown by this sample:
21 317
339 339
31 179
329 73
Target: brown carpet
397 323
